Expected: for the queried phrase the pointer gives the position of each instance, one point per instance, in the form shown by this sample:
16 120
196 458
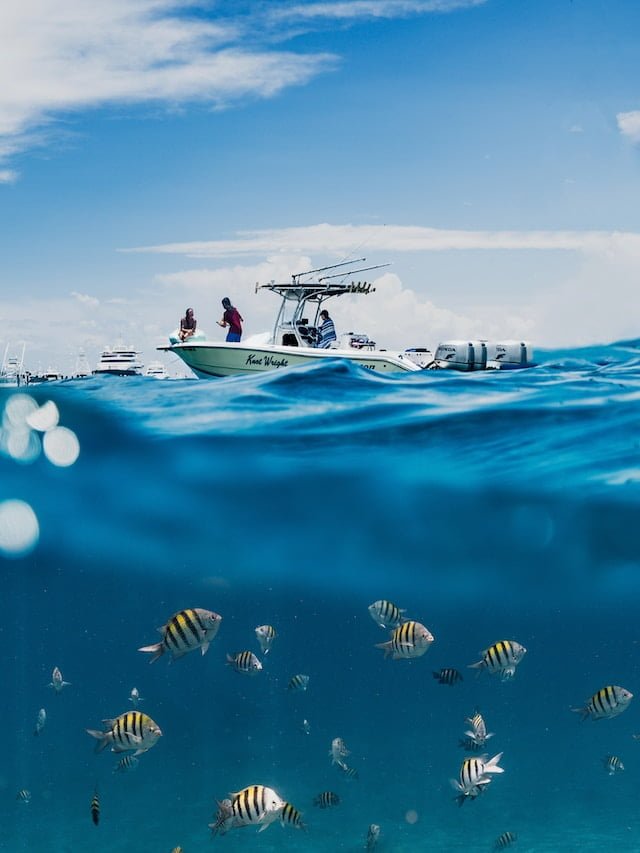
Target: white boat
119 361
293 340
49 375
12 372
156 370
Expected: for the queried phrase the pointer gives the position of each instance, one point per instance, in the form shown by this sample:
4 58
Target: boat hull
208 360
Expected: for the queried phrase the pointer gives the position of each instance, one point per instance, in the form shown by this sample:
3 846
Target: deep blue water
490 506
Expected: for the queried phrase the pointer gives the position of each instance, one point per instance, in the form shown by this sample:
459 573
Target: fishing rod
331 267
352 272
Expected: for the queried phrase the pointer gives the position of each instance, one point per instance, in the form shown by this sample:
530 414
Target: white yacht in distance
156 370
119 361
12 372
295 338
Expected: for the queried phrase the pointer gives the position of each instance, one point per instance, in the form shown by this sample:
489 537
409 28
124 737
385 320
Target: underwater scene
444 571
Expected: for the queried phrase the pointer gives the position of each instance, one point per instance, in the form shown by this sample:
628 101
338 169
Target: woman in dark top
187 325
233 320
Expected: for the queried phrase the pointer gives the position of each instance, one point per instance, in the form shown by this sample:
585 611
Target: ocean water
490 506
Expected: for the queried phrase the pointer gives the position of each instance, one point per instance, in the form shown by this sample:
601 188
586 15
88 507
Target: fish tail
584 713
102 738
386 647
157 650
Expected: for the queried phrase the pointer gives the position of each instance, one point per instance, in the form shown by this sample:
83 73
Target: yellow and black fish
244 662
386 614
185 631
255 805
292 817
131 730
95 808
326 799
501 658
505 840
607 702
298 683
409 640
612 764
448 675
265 634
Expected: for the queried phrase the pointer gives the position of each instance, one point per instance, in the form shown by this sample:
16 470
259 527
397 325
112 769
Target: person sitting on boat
187 325
233 320
326 330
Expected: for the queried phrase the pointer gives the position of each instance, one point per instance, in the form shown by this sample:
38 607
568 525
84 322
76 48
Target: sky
157 155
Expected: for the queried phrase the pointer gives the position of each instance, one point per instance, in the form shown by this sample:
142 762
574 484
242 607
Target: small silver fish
265 634
244 662
134 697
373 835
338 752
305 727
41 721
57 682
24 796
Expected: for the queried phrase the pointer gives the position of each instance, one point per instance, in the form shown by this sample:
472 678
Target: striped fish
607 702
505 840
177 850
326 799
448 675
298 683
385 614
95 808
478 731
290 816
245 662
501 658
612 764
187 630
255 805
348 772
126 763
409 640
131 730
24 796
265 634
474 773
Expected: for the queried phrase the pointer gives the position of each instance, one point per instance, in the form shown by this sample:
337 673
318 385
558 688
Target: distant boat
156 370
12 372
119 361
44 376
82 369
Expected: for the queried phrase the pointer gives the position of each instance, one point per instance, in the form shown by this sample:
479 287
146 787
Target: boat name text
266 361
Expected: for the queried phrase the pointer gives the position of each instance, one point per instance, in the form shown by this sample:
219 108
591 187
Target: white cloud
85 299
340 239
353 9
63 55
629 125
8 176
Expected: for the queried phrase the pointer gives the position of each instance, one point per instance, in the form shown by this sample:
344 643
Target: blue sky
158 154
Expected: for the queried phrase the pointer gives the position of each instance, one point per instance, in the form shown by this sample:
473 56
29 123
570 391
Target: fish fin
479 665
456 785
204 647
584 713
156 649
492 766
102 737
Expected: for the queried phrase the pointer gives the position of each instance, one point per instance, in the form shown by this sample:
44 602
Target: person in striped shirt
326 330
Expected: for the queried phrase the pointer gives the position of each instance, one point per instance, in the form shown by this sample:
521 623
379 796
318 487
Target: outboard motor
509 355
461 355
